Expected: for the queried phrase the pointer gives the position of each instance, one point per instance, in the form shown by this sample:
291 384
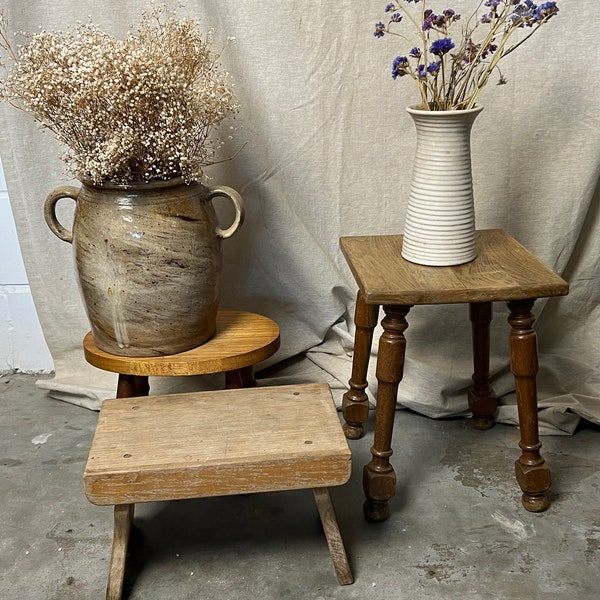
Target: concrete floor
457 528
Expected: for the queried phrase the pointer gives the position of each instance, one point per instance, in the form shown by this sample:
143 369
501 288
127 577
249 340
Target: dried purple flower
466 57
441 47
379 29
400 66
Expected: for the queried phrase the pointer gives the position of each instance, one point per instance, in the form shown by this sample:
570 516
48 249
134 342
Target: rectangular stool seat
216 443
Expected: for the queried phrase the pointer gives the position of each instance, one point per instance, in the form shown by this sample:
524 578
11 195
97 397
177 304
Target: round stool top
242 339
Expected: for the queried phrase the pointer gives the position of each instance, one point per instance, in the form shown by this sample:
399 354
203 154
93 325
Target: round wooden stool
242 339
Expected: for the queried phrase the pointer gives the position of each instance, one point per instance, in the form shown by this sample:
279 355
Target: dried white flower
140 108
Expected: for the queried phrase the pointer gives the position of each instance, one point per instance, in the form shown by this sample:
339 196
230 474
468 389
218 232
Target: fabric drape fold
328 153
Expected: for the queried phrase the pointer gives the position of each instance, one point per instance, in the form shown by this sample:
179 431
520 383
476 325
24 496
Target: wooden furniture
213 444
242 339
502 271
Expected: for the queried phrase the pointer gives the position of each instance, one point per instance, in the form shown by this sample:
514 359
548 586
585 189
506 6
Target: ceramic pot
440 220
149 262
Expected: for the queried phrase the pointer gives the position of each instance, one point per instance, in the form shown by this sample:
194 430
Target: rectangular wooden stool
214 444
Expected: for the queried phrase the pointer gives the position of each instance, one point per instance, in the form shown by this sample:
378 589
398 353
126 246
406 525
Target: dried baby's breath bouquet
136 109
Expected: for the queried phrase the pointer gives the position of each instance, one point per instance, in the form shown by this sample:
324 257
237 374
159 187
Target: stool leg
355 404
334 538
482 400
531 469
379 479
240 378
130 386
116 574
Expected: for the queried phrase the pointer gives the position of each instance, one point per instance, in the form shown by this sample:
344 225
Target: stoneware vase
149 261
440 220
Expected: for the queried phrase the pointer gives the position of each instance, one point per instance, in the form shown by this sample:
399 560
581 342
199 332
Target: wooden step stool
219 443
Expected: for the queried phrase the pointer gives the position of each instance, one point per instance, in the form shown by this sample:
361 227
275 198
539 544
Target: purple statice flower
545 11
379 29
415 53
492 3
396 17
491 48
470 52
390 7
487 18
433 68
431 20
421 72
428 17
451 16
439 20
441 46
399 66
529 14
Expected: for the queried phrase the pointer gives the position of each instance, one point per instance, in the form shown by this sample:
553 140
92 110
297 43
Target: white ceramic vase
440 221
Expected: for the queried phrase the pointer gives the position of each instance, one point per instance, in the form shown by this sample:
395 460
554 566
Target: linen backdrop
328 152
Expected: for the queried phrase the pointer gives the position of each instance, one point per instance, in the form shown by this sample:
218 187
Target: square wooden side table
503 271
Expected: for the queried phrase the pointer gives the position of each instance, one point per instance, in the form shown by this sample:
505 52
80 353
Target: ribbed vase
440 221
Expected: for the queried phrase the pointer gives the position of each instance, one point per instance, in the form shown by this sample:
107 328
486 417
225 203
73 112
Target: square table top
503 270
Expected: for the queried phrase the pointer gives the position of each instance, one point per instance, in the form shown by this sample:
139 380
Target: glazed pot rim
155 184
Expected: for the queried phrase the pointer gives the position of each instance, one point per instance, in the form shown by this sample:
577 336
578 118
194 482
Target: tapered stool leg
333 536
130 386
379 479
240 378
122 533
355 404
531 469
482 400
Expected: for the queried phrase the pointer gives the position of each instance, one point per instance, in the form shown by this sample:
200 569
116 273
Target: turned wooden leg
130 386
532 471
240 378
379 479
333 536
355 404
116 573
482 400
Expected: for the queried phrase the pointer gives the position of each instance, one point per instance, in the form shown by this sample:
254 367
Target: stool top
216 443
242 339
503 270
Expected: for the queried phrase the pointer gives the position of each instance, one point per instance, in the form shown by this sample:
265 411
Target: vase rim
135 185
415 109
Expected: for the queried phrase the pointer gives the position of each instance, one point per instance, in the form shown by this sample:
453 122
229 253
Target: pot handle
238 204
56 228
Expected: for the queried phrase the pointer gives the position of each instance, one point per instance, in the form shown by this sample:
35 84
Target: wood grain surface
216 443
242 339
503 270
